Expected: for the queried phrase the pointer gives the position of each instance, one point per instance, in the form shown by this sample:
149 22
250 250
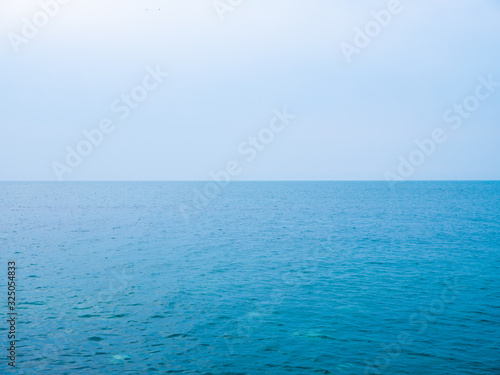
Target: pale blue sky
353 120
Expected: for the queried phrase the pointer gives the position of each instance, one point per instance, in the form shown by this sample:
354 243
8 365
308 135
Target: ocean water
263 278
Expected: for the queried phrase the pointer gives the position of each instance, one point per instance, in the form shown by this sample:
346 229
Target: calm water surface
266 278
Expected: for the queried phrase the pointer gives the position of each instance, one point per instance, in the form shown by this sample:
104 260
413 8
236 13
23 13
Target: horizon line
394 181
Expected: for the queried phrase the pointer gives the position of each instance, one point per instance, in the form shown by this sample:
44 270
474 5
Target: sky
260 90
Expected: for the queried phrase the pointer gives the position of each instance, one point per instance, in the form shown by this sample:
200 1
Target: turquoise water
264 278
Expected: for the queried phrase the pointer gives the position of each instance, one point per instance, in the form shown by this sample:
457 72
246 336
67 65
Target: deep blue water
265 278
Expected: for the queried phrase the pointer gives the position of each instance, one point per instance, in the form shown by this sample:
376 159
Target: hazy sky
229 75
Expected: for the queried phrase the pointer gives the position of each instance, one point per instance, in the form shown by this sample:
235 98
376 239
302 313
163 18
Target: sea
345 278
